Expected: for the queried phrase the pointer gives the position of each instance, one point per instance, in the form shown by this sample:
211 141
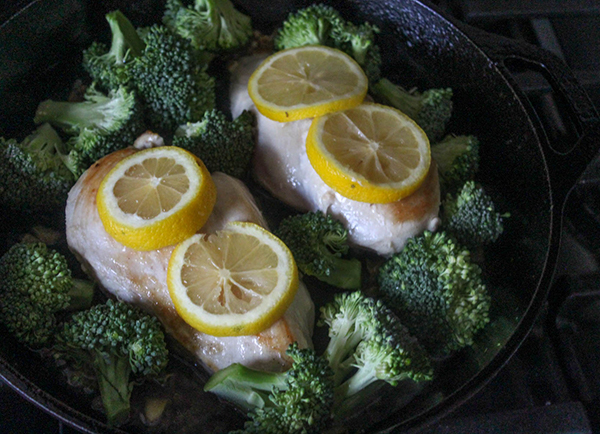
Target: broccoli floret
107 66
103 124
104 113
34 174
320 24
369 344
351 320
359 42
430 109
36 284
436 291
118 341
295 401
212 25
171 80
457 158
471 217
312 25
167 73
223 145
89 146
318 242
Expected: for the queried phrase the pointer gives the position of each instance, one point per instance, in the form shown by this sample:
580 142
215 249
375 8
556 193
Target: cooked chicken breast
282 167
140 278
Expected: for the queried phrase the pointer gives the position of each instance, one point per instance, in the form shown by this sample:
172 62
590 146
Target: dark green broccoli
212 25
430 109
118 341
34 172
102 124
471 217
108 67
318 242
295 401
35 285
457 158
89 146
223 145
171 80
312 25
436 291
359 42
320 24
166 72
369 344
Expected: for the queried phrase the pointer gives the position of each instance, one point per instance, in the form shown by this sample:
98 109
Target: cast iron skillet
527 175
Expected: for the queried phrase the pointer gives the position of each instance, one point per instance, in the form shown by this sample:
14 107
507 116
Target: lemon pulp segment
237 281
304 82
370 153
156 197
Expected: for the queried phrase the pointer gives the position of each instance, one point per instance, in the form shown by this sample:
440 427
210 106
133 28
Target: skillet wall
40 54
422 49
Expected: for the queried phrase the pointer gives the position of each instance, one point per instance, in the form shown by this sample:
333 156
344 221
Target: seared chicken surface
282 167
140 277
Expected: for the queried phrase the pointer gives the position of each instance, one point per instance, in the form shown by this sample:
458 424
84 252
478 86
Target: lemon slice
304 82
371 153
156 198
237 281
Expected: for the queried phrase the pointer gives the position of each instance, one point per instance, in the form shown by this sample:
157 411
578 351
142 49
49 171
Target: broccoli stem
356 390
81 294
125 39
115 389
363 377
346 404
340 350
246 387
346 273
74 115
394 95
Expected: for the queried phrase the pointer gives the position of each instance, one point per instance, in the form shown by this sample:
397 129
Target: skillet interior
41 49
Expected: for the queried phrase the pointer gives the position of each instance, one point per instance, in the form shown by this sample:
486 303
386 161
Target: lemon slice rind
353 184
169 227
253 321
293 112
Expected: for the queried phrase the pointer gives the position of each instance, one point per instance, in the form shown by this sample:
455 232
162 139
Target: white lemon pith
155 198
304 82
237 281
371 153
